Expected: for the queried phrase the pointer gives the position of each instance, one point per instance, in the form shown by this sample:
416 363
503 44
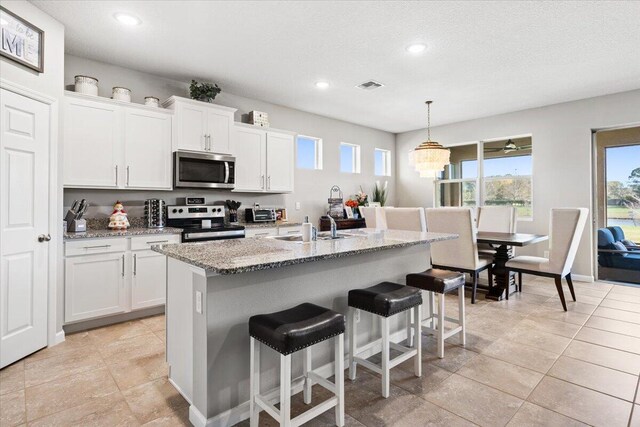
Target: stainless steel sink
321 236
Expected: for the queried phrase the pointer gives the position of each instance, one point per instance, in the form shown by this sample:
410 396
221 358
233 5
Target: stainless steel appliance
155 213
258 214
202 223
203 170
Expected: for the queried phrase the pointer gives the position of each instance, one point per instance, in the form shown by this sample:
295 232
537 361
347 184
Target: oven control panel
174 212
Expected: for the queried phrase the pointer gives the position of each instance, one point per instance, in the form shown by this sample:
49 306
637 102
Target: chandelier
430 157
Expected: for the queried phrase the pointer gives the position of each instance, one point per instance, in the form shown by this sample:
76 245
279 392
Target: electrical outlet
198 302
297 206
357 315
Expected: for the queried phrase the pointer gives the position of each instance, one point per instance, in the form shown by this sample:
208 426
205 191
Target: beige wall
562 148
311 187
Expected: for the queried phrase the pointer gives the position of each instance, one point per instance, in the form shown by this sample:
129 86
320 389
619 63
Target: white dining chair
566 226
459 254
496 219
374 217
410 219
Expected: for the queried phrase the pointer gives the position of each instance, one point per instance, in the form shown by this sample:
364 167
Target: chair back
374 217
497 219
566 227
461 252
410 219
605 241
618 234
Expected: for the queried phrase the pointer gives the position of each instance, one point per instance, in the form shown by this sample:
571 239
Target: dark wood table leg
497 292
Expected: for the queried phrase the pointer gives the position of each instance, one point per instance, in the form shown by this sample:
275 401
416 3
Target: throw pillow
620 247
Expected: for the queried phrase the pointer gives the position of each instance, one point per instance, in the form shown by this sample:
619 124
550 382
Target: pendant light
430 157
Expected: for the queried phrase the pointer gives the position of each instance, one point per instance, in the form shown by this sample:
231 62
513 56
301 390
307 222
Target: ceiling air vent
370 85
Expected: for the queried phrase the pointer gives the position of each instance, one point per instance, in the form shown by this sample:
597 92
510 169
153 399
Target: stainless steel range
202 223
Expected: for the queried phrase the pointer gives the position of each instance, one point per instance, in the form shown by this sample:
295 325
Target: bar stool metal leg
285 390
352 343
384 327
441 326
409 329
461 317
339 379
306 367
417 360
254 381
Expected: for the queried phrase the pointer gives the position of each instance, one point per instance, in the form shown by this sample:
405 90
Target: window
489 173
349 158
309 152
382 159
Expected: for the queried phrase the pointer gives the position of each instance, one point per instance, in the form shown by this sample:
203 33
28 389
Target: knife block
77 225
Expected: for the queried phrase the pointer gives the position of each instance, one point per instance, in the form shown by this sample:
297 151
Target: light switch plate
198 302
297 206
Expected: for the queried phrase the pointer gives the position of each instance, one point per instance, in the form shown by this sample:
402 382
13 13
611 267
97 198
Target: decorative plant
362 198
352 203
203 91
380 193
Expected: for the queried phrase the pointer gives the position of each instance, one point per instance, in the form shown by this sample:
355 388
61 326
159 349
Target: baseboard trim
84 325
240 413
582 278
59 338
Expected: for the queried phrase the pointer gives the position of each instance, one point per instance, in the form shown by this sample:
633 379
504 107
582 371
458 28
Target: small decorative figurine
118 219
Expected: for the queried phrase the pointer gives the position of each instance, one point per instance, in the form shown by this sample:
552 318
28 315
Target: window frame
386 161
480 179
355 164
318 164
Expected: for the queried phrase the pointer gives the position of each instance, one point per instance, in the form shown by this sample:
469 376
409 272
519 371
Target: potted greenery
205 92
380 193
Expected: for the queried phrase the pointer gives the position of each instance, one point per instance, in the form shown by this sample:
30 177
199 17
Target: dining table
503 244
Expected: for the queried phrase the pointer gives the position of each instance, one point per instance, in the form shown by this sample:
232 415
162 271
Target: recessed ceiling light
322 85
126 19
416 48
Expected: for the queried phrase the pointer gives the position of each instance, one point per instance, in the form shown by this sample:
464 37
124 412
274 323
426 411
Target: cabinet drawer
261 232
95 246
145 242
283 231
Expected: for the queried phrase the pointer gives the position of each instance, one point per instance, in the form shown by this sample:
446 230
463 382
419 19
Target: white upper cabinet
264 160
112 144
250 159
280 162
201 126
91 143
147 146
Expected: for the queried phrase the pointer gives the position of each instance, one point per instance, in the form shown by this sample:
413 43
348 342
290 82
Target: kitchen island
214 287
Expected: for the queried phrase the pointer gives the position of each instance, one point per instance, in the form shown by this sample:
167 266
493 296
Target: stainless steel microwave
203 170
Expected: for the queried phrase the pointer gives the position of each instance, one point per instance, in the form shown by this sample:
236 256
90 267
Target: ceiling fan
509 147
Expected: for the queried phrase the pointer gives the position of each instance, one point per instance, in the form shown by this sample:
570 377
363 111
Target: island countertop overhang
236 256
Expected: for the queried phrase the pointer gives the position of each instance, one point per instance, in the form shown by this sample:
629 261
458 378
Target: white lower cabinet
116 275
148 280
95 286
261 232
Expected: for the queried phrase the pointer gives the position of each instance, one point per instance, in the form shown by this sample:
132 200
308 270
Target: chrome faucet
334 228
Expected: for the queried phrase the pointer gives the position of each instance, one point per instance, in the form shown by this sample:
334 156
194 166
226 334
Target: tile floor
526 363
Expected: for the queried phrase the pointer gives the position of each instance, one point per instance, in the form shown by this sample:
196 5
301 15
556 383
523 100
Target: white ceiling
484 58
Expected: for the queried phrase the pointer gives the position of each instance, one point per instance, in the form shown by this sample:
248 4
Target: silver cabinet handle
127 176
116 175
262 184
157 241
44 238
209 138
122 265
262 234
293 232
135 264
269 182
96 247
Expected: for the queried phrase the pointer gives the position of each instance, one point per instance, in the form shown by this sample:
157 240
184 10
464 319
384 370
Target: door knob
44 238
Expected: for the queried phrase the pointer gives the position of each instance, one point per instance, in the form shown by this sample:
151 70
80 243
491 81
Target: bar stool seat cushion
436 280
293 329
385 299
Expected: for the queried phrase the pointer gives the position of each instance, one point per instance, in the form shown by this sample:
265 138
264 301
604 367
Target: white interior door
24 196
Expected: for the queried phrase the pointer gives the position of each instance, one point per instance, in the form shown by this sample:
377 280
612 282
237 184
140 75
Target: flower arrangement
362 198
352 203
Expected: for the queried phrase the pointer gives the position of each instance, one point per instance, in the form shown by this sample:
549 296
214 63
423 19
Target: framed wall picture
21 41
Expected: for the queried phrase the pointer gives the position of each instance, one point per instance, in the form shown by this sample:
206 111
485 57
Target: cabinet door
279 162
91 144
147 145
260 232
250 159
95 286
192 126
219 132
149 279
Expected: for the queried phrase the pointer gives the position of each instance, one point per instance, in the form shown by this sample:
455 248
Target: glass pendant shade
429 158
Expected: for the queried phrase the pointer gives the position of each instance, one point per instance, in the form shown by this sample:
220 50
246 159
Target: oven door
203 170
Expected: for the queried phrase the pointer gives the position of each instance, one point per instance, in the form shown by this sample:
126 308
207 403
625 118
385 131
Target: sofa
615 260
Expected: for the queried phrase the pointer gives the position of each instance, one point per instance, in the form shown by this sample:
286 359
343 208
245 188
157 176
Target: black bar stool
287 332
440 282
385 299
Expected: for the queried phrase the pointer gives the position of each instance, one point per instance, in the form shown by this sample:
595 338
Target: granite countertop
132 231
270 224
246 255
